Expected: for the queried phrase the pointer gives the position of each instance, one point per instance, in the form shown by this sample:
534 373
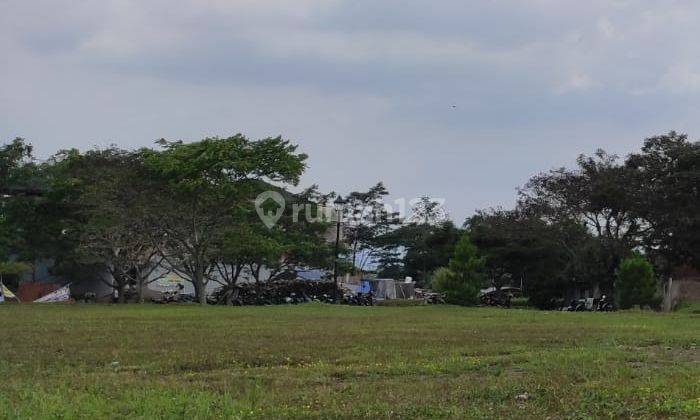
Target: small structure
383 288
392 289
405 290
683 285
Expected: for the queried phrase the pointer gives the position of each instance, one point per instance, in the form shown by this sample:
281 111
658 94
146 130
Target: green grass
320 361
689 308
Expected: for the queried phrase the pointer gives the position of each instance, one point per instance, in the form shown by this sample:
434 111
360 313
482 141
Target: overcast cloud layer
455 99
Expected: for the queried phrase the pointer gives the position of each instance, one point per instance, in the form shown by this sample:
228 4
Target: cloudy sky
456 99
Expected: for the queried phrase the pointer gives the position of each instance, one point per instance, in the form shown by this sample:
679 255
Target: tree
242 245
366 220
296 241
18 170
269 253
433 233
417 249
110 223
422 244
195 189
32 208
428 211
600 195
546 257
635 284
16 162
464 278
667 178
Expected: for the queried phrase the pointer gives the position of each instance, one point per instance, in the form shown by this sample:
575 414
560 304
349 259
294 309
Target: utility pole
339 210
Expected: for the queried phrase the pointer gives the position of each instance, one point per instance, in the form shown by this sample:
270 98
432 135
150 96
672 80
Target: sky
459 100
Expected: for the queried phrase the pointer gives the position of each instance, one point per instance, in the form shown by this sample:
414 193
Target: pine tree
463 279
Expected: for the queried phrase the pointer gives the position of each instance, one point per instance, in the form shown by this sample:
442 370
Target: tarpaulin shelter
383 288
6 294
60 295
363 287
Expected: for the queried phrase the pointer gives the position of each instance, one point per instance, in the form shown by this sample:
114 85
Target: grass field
93 361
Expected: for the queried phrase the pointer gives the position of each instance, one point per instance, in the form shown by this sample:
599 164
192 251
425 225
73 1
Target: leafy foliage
366 221
463 278
109 217
422 244
197 190
520 248
189 207
636 283
667 176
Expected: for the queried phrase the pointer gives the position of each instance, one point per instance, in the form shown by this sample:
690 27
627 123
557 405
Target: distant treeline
191 207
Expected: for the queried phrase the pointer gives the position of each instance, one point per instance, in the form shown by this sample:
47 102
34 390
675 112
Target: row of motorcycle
590 305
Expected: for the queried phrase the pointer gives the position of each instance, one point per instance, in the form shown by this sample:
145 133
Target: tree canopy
190 208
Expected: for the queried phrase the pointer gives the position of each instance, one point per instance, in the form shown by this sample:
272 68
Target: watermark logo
270 206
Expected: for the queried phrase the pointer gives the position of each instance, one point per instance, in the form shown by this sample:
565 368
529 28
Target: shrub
636 283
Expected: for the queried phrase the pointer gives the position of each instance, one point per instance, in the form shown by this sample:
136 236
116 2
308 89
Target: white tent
6 294
60 295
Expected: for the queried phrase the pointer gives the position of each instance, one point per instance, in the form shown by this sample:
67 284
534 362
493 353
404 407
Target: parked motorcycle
605 305
359 299
590 304
175 296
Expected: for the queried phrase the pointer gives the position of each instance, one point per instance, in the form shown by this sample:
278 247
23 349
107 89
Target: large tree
366 219
16 165
667 183
196 187
417 249
33 208
521 247
111 220
599 194
301 240
423 243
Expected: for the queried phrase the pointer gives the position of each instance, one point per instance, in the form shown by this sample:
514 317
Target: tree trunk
233 292
354 256
121 290
140 286
257 284
199 289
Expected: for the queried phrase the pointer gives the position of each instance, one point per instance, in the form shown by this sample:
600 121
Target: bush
636 283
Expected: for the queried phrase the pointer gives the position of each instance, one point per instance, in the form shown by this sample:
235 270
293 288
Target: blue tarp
364 287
